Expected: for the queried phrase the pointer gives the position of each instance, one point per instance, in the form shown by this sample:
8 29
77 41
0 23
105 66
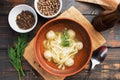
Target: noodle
61 54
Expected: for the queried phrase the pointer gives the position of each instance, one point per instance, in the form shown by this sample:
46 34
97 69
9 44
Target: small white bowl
52 16
13 16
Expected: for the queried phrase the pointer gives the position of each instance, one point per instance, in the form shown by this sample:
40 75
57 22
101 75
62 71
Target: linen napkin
106 4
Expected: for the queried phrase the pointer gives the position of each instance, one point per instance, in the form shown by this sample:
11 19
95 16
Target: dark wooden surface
108 70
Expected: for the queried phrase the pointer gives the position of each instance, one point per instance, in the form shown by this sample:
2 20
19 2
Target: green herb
15 54
65 39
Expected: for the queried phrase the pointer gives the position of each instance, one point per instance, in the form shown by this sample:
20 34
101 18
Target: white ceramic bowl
36 8
17 10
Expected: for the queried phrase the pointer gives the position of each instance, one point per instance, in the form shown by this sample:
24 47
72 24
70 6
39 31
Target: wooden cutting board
72 13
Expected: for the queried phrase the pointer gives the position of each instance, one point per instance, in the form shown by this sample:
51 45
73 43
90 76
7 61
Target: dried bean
48 7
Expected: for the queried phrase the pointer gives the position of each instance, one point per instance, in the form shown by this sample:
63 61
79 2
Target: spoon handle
89 71
88 75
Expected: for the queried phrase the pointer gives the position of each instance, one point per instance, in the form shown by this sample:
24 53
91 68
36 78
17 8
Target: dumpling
50 35
71 33
69 62
48 55
79 45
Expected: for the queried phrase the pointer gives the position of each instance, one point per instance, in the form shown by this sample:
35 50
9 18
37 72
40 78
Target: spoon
97 58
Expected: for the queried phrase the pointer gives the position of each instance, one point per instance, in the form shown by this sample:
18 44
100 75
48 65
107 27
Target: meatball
69 62
50 35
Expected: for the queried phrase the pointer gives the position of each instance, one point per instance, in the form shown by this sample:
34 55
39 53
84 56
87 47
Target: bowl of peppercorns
48 8
22 18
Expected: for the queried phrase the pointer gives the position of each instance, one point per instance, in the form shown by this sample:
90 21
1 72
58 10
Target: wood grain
108 70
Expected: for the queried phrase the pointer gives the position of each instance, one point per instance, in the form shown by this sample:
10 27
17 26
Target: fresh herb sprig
65 39
15 54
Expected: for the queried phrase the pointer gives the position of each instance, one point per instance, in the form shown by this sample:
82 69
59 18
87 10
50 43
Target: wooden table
108 70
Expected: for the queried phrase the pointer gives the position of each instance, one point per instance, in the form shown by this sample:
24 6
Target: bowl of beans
22 18
48 8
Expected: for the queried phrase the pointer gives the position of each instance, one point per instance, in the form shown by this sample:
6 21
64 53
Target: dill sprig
15 54
65 39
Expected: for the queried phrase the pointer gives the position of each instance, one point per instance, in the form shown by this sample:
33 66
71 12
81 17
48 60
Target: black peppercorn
25 20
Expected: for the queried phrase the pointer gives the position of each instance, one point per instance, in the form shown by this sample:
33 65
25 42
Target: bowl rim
22 30
35 53
52 16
